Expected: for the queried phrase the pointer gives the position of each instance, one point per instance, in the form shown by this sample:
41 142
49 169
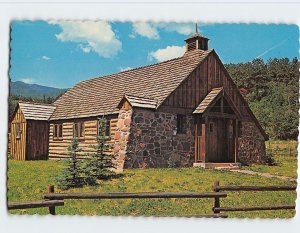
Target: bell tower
196 41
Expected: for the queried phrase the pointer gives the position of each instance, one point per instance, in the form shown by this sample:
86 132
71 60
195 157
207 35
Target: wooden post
217 199
51 208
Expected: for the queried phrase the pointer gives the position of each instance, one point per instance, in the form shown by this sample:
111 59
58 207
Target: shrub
270 161
72 176
101 165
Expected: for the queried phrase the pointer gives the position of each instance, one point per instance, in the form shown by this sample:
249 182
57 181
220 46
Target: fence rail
61 196
217 188
35 204
254 188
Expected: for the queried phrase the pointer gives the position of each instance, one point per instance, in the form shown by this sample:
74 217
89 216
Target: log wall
58 148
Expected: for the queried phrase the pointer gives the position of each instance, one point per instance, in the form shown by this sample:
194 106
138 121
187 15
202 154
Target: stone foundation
152 143
252 147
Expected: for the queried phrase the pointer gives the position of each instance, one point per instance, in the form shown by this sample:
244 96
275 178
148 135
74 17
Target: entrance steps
228 166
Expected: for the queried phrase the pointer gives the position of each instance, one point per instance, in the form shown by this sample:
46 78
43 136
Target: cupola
196 41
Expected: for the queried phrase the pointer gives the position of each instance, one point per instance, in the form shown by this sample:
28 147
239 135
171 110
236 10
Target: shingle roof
140 102
34 111
101 95
208 100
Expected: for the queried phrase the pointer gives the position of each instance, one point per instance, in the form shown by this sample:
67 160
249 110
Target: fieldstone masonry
144 139
152 143
121 136
251 145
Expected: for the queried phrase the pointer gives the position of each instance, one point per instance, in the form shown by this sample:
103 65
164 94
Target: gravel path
268 175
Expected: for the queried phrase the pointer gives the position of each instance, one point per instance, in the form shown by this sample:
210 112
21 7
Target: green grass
28 180
286 166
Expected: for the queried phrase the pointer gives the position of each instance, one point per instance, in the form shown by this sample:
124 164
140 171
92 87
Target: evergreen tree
101 164
72 175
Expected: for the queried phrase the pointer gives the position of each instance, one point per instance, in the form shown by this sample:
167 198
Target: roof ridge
141 67
139 97
35 103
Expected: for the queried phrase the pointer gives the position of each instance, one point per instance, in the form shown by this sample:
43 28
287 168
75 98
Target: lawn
285 155
28 180
285 166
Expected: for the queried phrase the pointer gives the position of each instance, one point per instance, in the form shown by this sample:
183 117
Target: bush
270 161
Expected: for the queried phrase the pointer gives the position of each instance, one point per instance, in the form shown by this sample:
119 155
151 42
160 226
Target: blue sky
62 53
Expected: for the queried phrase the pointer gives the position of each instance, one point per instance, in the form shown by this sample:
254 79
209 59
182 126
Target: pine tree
72 175
101 164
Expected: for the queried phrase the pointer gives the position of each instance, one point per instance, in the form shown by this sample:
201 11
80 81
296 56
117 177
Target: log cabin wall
18 136
37 140
58 147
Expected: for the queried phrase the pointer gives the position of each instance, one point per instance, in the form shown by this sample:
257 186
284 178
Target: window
211 127
57 131
106 129
78 130
180 123
18 130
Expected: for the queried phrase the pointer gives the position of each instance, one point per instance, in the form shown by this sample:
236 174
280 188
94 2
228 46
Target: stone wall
152 143
252 147
122 136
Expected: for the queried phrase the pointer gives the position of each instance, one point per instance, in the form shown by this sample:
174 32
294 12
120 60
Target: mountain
19 88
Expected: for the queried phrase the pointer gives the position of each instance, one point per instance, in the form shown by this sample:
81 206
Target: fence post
217 199
51 208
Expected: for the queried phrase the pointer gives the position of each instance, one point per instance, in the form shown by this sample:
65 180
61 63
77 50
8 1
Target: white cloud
181 28
167 53
125 68
27 80
46 58
148 30
96 36
85 48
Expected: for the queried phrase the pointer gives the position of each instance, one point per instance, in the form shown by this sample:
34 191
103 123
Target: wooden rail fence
52 199
217 188
62 196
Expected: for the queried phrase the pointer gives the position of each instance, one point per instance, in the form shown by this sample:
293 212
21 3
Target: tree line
272 91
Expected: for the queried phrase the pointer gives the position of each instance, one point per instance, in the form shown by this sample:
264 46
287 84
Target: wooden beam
255 208
255 188
61 196
206 142
220 115
34 204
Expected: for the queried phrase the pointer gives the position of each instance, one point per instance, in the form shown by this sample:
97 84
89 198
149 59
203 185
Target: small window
106 128
78 130
57 131
211 127
18 130
180 123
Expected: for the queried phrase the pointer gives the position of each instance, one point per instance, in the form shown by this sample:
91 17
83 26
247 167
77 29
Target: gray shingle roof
208 100
34 111
101 95
141 102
